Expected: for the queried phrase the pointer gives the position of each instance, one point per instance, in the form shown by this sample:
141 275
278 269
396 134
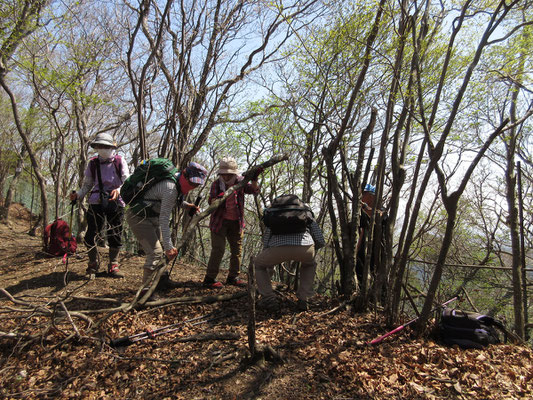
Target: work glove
171 254
256 174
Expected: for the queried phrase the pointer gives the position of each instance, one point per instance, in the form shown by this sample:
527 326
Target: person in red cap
153 230
227 223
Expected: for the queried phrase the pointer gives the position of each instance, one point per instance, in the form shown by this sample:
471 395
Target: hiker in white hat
102 180
227 223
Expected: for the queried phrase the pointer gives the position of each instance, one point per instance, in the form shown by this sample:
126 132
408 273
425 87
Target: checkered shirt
313 235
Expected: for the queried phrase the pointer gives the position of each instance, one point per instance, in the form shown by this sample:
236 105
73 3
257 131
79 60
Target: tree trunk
33 158
512 204
4 216
450 203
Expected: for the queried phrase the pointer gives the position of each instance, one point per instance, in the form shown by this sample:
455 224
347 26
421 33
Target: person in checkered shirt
300 247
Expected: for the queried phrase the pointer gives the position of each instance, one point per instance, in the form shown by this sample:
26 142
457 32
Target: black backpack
287 214
469 330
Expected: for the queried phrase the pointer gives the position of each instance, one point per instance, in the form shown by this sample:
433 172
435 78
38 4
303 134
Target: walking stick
129 340
72 204
402 327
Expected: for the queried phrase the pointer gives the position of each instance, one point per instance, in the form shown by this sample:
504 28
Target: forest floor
322 354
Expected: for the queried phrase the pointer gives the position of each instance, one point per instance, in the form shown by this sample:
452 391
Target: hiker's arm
188 205
252 188
168 200
87 184
214 193
317 235
115 193
125 171
266 237
171 254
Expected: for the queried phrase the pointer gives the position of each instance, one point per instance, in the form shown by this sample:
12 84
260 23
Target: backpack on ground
58 240
287 214
146 175
469 330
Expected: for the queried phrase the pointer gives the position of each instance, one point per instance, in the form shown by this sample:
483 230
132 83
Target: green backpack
145 176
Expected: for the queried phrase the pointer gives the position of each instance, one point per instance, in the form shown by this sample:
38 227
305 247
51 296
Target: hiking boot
268 305
212 284
114 272
165 283
302 305
236 282
92 269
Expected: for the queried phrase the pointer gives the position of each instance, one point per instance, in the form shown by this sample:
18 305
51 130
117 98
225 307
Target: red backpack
58 240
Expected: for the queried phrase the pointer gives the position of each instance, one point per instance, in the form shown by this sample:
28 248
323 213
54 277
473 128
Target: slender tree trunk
33 158
450 203
25 17
522 249
9 194
512 205
436 150
403 30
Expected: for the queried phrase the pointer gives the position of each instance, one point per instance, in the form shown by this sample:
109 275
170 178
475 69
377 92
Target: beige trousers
230 231
272 256
148 233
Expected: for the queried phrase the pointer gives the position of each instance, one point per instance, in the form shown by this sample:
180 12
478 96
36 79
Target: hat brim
113 145
196 179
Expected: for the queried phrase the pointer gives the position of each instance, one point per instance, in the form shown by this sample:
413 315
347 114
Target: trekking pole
402 327
129 340
65 257
72 204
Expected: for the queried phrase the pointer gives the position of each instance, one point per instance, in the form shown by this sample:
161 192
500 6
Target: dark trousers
96 217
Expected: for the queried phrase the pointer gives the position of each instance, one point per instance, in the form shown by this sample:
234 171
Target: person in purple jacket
102 180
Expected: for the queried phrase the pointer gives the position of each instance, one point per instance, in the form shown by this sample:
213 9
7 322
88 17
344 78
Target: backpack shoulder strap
117 162
92 166
176 180
100 184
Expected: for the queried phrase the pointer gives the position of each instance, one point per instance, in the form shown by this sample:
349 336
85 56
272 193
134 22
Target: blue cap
196 173
369 188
